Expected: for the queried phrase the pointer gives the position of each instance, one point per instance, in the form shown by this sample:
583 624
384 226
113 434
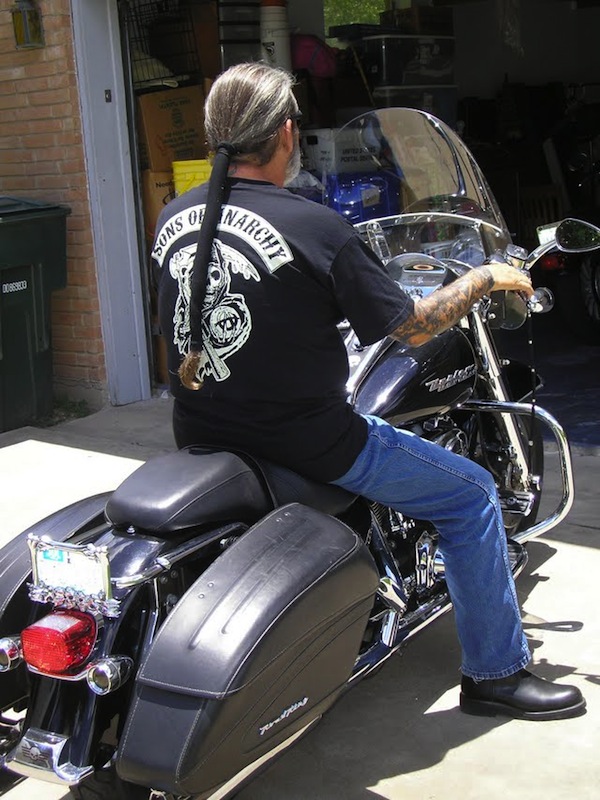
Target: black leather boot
523 696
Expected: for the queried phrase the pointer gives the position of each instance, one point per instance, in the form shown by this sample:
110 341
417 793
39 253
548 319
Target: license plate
70 568
547 233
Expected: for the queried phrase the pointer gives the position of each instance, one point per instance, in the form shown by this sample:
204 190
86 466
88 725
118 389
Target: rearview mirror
577 236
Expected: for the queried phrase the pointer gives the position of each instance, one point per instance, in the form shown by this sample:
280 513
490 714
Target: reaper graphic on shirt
226 320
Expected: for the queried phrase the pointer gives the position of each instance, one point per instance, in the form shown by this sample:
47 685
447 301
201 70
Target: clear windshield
412 174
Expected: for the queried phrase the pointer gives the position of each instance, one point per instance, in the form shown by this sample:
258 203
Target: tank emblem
458 376
284 715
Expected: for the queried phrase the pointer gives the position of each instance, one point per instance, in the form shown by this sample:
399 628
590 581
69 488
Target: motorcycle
170 638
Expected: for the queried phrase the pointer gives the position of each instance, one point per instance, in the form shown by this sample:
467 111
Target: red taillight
59 642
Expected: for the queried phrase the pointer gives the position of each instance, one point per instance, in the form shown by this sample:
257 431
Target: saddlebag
258 648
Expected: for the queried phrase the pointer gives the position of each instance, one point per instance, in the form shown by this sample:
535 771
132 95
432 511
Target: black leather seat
196 486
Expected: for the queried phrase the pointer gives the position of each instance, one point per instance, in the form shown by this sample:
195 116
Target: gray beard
294 164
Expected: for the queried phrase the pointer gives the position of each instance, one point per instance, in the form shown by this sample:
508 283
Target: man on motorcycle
257 364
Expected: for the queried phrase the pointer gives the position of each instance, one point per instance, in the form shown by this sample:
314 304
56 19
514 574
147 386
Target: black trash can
33 263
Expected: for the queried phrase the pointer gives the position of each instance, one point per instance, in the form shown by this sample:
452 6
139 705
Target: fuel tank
412 383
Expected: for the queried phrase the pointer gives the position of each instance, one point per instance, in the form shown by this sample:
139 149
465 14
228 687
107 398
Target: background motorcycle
182 631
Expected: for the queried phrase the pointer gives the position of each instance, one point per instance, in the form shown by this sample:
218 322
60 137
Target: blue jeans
423 480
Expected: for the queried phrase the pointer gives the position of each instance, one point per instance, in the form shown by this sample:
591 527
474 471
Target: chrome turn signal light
108 674
11 653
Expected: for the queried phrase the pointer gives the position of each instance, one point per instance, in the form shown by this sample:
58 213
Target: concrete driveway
398 735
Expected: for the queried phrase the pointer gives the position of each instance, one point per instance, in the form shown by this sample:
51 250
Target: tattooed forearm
444 308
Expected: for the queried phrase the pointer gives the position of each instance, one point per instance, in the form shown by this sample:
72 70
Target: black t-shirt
284 272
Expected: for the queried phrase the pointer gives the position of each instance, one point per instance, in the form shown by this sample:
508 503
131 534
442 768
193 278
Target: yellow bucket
187 174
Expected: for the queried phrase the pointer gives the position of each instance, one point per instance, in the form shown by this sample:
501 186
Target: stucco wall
42 158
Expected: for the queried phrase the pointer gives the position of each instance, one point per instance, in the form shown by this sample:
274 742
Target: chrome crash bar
566 466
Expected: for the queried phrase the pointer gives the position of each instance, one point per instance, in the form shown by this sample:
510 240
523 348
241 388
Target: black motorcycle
169 639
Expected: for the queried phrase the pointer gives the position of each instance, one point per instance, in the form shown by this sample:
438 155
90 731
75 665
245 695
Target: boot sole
488 708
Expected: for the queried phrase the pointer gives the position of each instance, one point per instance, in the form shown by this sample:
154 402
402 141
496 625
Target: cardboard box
157 189
171 127
327 150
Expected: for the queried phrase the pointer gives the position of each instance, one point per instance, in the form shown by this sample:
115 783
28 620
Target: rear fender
15 571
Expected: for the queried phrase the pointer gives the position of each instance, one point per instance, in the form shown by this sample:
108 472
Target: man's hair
246 107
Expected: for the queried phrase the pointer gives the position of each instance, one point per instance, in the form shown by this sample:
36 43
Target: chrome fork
487 353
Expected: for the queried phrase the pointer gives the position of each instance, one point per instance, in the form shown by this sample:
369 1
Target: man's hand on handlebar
511 279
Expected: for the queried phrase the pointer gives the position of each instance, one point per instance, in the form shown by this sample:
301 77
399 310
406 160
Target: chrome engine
414 543
414 546
443 431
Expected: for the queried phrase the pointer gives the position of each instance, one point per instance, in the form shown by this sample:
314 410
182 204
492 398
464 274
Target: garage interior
519 81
